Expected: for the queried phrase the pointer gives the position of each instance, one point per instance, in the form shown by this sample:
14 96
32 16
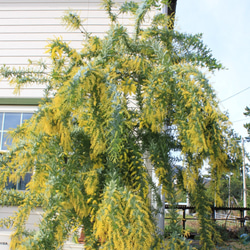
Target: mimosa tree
247 125
107 107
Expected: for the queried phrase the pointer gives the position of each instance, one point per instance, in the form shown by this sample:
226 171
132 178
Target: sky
225 25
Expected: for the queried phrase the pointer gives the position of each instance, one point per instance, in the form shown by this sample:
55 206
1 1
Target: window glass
10 185
26 116
11 120
1 120
21 185
6 141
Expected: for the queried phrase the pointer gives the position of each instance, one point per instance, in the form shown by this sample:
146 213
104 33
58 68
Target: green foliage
132 215
224 233
247 125
208 234
235 189
177 242
128 7
72 20
108 5
22 77
119 102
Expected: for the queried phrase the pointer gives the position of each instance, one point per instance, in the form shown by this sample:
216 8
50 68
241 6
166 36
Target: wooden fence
241 219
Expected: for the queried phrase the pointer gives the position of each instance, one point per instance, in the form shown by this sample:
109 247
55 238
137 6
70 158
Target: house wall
32 223
26 26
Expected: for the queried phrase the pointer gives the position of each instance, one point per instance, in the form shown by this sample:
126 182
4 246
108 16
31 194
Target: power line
235 94
241 120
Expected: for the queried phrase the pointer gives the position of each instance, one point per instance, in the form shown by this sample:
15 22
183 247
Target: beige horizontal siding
26 26
25 93
20 45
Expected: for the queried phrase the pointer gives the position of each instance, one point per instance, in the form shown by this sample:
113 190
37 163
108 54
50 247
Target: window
8 121
21 185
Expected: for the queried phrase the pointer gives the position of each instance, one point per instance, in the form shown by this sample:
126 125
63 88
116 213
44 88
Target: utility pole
229 191
244 179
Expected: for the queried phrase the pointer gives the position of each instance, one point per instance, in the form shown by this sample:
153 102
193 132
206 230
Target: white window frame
15 109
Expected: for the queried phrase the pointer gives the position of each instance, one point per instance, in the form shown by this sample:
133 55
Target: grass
230 232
